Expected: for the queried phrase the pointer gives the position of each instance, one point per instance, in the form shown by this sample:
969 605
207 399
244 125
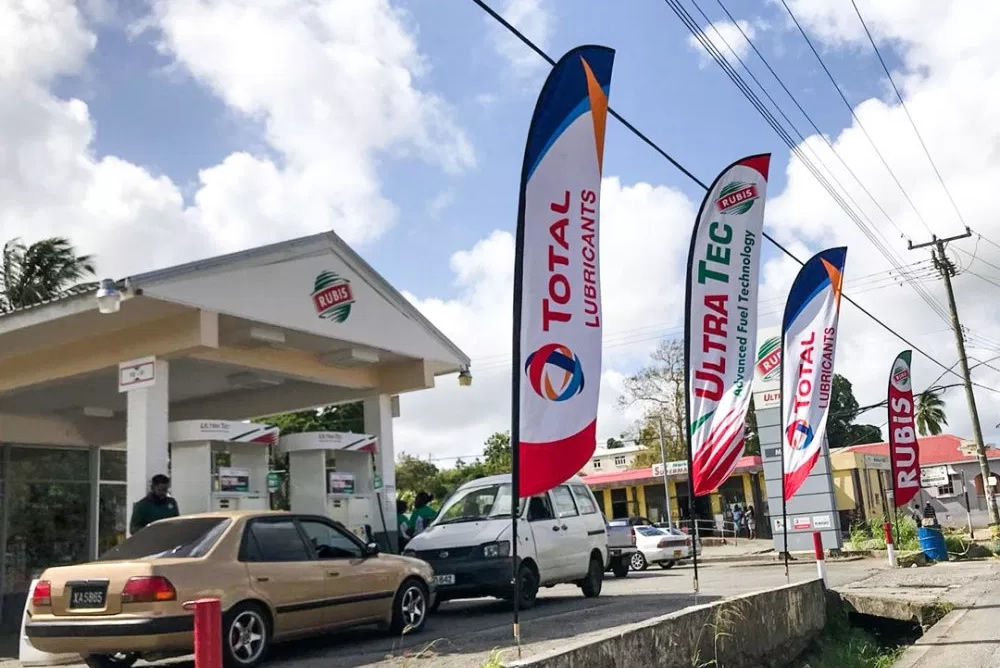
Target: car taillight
631 533
148 589
42 596
663 543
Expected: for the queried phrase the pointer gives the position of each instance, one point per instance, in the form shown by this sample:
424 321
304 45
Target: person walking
737 520
422 514
402 524
156 505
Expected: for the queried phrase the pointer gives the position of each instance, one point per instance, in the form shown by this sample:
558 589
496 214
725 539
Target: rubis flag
557 279
809 345
721 341
904 458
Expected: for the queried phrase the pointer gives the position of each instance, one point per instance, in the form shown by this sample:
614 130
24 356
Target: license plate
87 597
677 553
444 579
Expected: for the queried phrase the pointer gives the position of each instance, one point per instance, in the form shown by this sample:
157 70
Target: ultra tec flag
557 278
809 346
721 341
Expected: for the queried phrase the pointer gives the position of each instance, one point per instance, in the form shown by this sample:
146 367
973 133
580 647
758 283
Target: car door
546 531
594 523
285 573
360 588
573 533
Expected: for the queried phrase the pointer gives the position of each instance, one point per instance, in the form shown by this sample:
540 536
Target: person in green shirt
157 505
422 514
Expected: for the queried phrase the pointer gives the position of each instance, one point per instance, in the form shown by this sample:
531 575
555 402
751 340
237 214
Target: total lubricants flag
557 278
809 345
904 458
721 325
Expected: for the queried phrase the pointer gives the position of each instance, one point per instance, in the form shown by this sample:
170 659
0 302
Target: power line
869 229
906 110
857 120
683 170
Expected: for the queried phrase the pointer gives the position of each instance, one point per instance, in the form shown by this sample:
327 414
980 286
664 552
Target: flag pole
687 411
782 438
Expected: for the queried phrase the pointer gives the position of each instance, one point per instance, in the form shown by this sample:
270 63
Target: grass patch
870 535
843 645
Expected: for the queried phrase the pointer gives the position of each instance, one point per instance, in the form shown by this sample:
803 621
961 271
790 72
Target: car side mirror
371 550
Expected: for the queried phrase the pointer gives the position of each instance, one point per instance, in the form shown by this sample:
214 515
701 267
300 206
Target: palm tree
930 414
39 272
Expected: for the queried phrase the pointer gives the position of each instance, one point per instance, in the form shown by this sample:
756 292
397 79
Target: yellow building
640 493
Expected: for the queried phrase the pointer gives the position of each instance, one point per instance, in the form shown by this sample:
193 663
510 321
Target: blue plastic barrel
932 543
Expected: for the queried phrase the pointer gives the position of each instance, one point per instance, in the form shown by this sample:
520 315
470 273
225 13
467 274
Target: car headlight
496 550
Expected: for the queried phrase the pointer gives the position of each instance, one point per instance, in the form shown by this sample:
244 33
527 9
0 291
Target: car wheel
529 587
246 636
119 660
638 562
667 564
620 568
409 608
594 581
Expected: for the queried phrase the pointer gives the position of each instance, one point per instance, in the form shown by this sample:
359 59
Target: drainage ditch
853 640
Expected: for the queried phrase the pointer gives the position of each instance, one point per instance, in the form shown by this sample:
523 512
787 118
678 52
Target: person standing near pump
157 505
422 514
402 524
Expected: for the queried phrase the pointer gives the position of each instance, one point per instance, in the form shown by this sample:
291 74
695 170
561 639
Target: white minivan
561 539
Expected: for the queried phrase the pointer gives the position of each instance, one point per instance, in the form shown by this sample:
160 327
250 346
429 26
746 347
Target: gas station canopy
284 327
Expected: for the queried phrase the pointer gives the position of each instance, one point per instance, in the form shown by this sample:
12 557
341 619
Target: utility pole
663 458
947 269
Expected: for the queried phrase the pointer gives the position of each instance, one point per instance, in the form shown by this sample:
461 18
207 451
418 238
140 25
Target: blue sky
155 116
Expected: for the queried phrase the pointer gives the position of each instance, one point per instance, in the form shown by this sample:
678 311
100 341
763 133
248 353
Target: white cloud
334 85
535 22
727 38
640 254
949 76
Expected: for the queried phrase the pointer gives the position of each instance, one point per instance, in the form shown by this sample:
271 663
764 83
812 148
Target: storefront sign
673 468
801 523
822 522
878 462
934 476
339 483
233 479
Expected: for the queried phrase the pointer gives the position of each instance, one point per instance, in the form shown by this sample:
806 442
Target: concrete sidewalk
968 636
744 548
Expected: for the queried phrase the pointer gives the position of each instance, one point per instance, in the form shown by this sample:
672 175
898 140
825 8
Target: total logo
799 435
554 372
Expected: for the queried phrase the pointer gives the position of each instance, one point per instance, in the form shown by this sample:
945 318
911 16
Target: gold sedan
279 576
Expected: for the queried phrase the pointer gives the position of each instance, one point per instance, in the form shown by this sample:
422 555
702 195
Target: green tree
930 415
41 271
414 475
497 454
615 443
649 437
844 410
341 417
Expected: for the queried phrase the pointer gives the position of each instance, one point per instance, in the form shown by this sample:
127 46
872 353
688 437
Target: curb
774 561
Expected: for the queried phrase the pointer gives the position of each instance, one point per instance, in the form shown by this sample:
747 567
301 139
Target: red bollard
207 632
818 549
889 546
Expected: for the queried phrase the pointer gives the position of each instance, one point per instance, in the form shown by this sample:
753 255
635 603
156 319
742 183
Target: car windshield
192 537
475 504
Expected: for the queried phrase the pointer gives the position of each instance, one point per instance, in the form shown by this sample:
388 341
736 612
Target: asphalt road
465 633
